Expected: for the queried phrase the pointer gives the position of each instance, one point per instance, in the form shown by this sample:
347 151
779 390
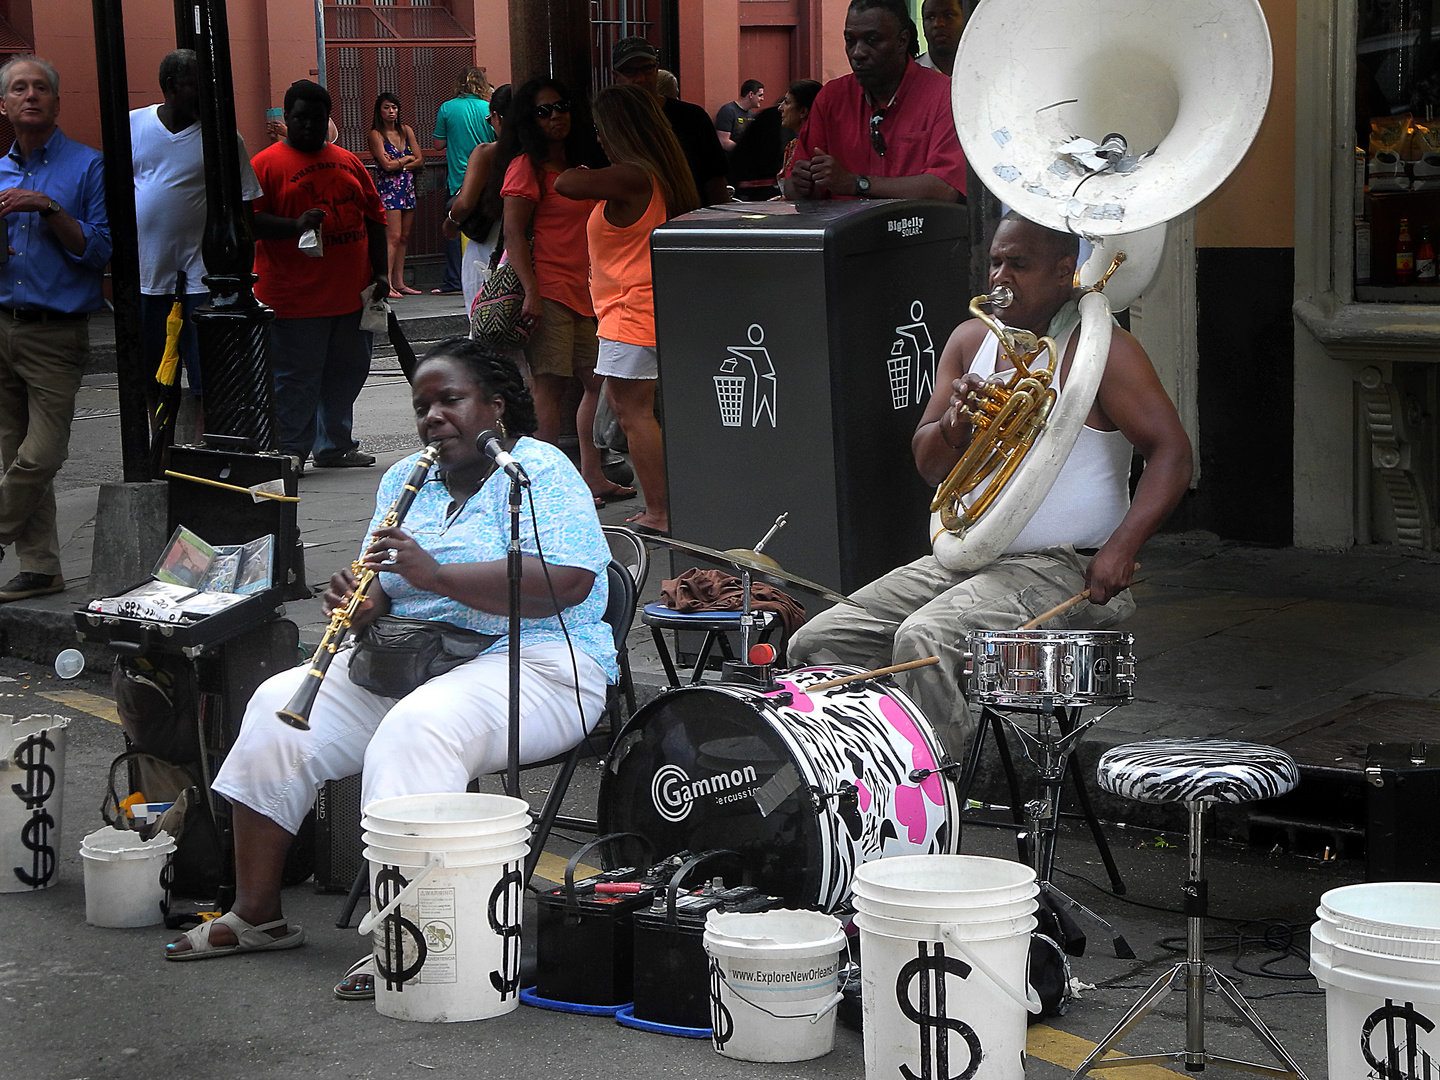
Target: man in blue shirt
461 124
52 204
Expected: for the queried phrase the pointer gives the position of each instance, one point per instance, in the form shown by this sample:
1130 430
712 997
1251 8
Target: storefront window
1397 151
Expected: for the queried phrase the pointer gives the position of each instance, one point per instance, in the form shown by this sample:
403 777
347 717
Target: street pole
233 327
184 25
125 256
551 37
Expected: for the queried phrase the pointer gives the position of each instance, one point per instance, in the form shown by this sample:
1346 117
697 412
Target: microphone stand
514 566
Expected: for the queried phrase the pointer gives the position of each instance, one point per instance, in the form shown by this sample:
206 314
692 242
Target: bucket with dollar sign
943 977
446 895
32 776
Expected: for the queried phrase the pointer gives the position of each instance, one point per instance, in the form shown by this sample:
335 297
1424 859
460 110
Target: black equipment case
1401 792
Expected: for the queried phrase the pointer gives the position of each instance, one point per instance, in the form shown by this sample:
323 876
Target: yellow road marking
552 868
89 703
1067 1051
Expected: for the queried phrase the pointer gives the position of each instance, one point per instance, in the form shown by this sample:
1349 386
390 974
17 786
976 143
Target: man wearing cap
886 130
637 62
52 204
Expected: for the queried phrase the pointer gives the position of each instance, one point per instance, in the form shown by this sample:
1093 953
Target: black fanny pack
394 655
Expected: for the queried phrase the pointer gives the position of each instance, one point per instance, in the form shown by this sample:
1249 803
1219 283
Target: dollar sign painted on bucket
920 993
1399 1058
35 792
398 935
505 900
722 1024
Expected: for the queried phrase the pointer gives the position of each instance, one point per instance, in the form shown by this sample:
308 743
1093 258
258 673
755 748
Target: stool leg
1197 907
671 676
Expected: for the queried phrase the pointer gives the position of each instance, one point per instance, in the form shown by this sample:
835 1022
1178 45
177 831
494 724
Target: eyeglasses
544 112
877 138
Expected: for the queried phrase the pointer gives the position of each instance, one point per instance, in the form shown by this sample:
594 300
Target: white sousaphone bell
1041 90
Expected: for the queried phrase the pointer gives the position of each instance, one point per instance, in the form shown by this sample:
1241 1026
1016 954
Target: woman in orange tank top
646 184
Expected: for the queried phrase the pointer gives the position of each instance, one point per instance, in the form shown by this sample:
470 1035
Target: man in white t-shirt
170 209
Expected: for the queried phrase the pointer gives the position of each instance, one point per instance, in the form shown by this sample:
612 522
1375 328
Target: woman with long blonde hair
647 183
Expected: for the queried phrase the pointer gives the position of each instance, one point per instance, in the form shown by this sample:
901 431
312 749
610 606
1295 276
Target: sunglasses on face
544 112
877 138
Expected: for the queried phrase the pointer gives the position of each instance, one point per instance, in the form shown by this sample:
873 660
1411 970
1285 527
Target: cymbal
761 567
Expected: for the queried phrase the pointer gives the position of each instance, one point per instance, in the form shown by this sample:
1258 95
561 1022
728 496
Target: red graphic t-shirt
296 285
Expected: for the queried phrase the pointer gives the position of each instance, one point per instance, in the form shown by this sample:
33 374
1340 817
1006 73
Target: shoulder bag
495 311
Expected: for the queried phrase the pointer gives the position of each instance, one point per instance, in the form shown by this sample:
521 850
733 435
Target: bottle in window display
1425 260
1404 254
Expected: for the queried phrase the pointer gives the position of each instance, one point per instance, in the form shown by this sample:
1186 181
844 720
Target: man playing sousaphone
1086 532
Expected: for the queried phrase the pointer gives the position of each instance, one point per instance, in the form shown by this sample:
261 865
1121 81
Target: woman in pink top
537 143
647 183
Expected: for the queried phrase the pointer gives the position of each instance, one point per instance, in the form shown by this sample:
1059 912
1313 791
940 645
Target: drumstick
828 683
1063 606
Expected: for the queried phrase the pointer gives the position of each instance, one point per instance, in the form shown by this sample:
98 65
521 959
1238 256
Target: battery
672 975
584 939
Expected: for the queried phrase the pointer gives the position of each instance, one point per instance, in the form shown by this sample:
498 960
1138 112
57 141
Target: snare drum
804 786
1030 668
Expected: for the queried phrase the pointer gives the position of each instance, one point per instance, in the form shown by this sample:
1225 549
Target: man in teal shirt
461 124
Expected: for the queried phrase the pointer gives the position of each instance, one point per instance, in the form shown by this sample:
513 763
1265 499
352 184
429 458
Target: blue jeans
320 367
154 311
452 257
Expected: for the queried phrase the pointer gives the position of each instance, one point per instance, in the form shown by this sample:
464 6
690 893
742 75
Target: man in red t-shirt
885 131
319 354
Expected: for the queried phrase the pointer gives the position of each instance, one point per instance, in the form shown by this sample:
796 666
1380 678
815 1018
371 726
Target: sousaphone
1104 118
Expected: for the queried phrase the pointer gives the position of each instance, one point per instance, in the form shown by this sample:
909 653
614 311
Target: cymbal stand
745 670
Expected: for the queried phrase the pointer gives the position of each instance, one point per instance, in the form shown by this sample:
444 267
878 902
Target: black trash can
798 348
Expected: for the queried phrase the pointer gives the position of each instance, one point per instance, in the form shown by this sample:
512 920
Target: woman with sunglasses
539 142
647 183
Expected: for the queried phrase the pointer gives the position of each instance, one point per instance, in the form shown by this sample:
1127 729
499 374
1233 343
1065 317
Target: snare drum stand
1058 730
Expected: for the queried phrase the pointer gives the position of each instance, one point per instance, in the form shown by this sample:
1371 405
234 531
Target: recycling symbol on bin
912 361
734 388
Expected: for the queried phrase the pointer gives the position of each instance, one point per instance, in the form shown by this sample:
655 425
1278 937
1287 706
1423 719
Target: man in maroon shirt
885 131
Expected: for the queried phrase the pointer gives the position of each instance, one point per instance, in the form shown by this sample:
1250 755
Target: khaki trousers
41 364
923 609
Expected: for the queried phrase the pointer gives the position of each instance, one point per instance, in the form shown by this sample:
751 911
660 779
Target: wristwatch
862 186
51 209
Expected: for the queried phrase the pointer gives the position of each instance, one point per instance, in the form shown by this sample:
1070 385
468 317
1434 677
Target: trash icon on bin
731 385
912 361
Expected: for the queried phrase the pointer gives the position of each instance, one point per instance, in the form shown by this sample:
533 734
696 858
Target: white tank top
1092 493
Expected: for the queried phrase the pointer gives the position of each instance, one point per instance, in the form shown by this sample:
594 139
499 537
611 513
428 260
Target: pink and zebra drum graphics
804 786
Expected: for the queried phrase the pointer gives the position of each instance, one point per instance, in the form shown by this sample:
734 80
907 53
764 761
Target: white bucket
123 885
1372 951
773 983
938 880
945 988
445 917
461 813
30 801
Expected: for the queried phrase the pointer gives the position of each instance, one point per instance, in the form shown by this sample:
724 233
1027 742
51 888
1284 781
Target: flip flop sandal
247 939
364 966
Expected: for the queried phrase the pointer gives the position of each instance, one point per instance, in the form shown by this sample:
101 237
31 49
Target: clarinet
297 712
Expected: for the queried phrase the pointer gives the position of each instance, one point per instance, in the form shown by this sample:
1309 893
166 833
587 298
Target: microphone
488 442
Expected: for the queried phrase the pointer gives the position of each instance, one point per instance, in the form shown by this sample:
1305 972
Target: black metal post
184 25
125 257
233 327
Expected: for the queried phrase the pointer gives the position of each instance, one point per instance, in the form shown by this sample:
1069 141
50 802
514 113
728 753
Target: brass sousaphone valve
1007 417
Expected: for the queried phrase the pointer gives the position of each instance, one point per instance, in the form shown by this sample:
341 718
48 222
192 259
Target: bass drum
804 786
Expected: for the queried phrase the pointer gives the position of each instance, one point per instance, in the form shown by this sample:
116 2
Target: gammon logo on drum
672 790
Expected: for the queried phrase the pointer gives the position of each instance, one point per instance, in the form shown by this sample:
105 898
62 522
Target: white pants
433 740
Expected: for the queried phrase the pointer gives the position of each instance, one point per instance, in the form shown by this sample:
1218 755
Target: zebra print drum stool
1197 773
